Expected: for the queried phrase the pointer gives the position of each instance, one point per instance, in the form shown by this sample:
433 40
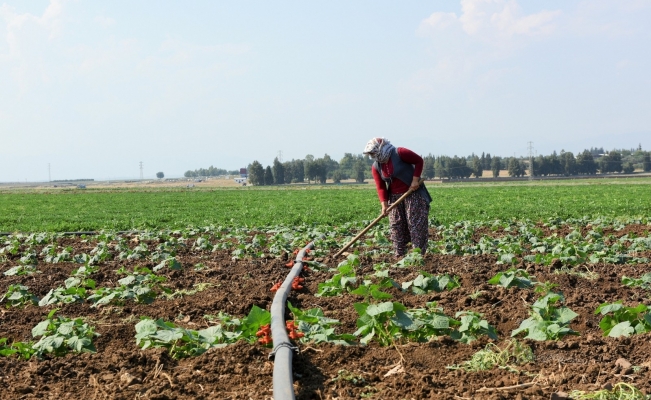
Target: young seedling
472 326
513 278
547 321
17 296
317 327
412 259
643 282
620 320
425 283
59 335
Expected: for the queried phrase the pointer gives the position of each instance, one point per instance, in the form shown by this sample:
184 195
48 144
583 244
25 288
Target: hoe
372 224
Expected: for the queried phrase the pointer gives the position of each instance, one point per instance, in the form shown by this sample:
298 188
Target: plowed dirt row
120 370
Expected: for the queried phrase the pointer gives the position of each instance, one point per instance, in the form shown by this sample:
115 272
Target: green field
73 210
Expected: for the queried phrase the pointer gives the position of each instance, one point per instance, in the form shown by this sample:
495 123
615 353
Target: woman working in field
395 171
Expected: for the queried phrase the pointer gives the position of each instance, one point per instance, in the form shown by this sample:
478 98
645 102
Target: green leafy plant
472 326
392 322
21 270
85 271
509 357
644 281
513 278
182 342
170 263
412 259
24 350
370 290
18 295
75 290
547 321
317 327
620 320
340 282
54 257
142 286
59 335
425 283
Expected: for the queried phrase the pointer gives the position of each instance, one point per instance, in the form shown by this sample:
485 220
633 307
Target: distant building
243 173
241 181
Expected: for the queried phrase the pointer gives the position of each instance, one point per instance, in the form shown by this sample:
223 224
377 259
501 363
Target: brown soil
120 370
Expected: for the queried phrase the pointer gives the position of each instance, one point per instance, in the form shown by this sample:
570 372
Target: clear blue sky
95 87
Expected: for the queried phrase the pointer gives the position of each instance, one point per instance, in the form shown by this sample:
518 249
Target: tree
359 168
568 163
268 176
278 172
646 162
458 168
585 163
611 162
488 162
337 176
628 168
318 171
441 167
515 168
190 174
428 170
256 173
496 166
160 175
478 166
288 171
298 169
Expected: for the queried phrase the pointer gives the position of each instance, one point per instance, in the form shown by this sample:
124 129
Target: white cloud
490 20
437 21
104 22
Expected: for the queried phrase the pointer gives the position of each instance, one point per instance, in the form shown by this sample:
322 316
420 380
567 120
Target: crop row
171 208
569 243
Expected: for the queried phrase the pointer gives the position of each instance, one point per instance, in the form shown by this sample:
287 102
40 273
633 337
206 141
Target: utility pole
530 160
49 173
141 170
280 155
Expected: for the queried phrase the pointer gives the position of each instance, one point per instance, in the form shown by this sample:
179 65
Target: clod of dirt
559 396
127 379
623 363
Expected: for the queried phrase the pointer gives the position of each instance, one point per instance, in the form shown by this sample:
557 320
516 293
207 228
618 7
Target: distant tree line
311 169
357 166
211 171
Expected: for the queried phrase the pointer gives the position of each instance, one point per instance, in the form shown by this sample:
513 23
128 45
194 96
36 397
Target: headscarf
379 149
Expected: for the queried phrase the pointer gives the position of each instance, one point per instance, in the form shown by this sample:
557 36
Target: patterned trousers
408 223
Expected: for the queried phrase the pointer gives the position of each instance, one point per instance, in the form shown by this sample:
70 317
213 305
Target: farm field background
71 210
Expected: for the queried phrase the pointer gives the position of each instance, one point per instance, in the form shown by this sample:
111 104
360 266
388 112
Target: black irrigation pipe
283 382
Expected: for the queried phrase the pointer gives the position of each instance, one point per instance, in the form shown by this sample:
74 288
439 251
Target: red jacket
397 186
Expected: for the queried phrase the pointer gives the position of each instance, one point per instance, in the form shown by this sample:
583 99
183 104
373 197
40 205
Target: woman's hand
414 183
385 206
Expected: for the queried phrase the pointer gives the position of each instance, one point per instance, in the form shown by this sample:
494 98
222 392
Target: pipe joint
288 345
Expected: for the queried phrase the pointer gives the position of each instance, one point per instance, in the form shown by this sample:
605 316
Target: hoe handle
376 220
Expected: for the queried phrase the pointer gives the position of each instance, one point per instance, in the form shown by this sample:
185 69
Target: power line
141 176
